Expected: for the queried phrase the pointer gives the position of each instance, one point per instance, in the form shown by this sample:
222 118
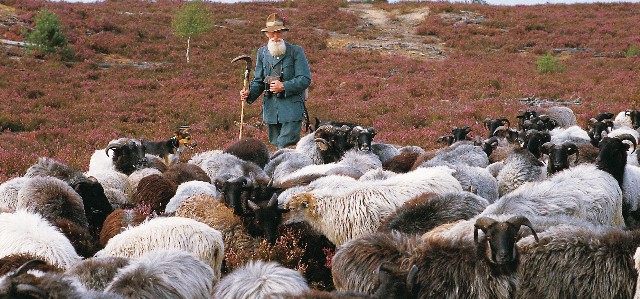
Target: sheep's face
500 238
635 119
559 155
300 207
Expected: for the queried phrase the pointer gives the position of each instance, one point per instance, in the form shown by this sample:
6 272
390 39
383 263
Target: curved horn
27 266
520 221
629 137
500 131
571 148
546 148
31 290
322 143
273 201
253 205
412 276
112 147
482 223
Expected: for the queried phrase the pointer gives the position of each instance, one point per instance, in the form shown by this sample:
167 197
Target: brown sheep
183 172
118 221
156 191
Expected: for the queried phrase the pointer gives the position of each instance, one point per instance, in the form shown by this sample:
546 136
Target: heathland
410 70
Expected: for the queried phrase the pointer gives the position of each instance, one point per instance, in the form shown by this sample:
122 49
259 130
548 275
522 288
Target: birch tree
191 20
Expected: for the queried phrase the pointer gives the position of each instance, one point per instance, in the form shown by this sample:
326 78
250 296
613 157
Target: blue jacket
297 78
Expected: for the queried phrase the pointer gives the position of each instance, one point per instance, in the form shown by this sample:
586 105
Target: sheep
401 163
573 134
492 124
133 180
632 158
461 152
118 221
559 155
563 116
261 280
250 149
583 191
128 155
628 118
179 173
460 268
23 284
534 139
576 262
25 232
169 233
96 205
429 210
354 263
285 163
52 198
332 141
164 274
597 130
14 261
96 273
9 193
188 189
384 151
156 191
217 164
359 209
337 183
520 167
361 138
477 179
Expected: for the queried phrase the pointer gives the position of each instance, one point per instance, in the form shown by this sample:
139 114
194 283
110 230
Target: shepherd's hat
274 23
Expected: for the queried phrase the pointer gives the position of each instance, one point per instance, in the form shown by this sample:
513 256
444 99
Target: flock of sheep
544 209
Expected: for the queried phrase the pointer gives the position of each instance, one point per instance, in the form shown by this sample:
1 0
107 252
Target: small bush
632 51
47 35
548 64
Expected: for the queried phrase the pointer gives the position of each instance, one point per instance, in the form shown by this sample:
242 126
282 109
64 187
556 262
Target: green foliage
47 35
632 51
192 20
549 64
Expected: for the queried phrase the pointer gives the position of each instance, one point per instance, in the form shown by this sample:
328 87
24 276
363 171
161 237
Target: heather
128 76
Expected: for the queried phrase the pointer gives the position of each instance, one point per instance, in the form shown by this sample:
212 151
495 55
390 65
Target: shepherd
282 72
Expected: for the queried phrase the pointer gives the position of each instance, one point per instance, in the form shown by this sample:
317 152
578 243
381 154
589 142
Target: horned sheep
358 209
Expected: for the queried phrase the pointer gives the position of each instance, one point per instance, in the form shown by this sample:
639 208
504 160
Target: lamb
520 167
261 280
353 267
429 210
576 262
360 208
458 268
169 233
164 274
24 232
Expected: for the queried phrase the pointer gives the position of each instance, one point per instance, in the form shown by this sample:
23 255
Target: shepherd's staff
245 87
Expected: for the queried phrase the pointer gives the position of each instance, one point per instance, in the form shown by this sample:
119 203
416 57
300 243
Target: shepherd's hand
244 94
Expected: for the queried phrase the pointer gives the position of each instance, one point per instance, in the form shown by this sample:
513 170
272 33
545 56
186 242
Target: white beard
277 48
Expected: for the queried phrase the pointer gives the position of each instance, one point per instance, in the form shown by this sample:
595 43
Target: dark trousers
285 134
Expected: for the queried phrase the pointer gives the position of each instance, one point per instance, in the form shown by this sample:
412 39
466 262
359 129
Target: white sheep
9 193
220 164
346 213
188 189
116 186
169 233
574 134
583 191
261 280
24 232
164 274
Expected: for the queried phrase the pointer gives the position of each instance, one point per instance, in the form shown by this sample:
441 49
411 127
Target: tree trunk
188 46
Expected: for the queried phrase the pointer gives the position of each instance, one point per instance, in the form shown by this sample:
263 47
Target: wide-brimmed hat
274 23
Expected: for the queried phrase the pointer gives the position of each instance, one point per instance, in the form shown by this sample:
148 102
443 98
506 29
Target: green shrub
47 35
632 51
548 64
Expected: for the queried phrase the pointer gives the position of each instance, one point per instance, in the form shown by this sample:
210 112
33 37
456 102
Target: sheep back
250 149
52 198
261 280
169 233
155 191
96 273
118 221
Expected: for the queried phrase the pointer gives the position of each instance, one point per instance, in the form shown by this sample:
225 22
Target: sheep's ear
273 201
482 223
546 147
